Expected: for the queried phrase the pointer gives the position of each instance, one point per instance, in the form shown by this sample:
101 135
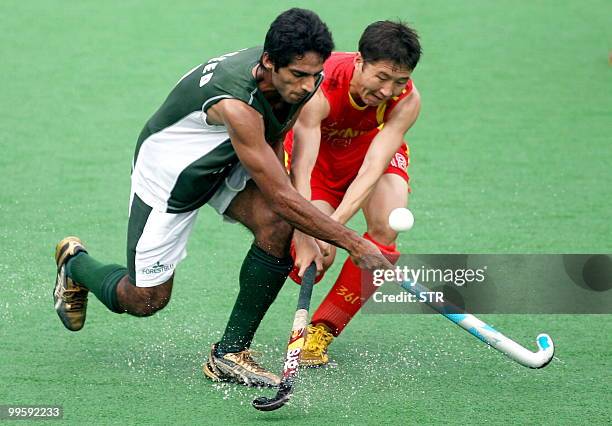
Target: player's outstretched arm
306 142
246 130
381 151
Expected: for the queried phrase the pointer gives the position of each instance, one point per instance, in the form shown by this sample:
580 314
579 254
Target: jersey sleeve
220 91
230 77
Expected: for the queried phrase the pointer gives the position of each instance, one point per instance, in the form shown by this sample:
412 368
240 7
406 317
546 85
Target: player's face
380 81
298 79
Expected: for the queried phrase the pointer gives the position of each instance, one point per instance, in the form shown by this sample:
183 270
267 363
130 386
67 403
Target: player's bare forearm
246 130
377 159
304 216
379 155
304 156
298 211
358 192
306 142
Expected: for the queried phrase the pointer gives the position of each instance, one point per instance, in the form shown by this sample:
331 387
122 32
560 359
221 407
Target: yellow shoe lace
318 339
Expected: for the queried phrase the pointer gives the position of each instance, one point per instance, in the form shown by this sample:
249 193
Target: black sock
261 278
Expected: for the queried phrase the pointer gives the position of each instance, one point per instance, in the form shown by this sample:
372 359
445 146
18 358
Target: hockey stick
294 348
488 334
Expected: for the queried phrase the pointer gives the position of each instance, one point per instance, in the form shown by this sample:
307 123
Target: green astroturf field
512 153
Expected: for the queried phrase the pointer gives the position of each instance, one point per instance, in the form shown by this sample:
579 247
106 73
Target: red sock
348 295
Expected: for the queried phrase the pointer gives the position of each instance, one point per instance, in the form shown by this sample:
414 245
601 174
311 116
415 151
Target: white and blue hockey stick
488 334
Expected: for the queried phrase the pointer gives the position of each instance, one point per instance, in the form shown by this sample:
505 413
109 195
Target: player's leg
348 294
263 273
345 298
264 269
391 192
156 244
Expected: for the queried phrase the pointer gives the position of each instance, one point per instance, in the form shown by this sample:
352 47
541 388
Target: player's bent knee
146 301
274 232
382 233
154 299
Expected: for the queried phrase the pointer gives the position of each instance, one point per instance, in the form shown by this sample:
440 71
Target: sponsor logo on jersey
157 268
399 161
347 133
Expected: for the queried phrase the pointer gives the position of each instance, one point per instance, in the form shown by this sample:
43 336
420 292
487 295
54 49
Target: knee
275 233
382 233
150 301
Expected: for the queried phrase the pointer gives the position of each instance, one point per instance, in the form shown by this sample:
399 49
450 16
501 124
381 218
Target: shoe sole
207 370
61 258
58 300
313 363
234 377
58 279
239 377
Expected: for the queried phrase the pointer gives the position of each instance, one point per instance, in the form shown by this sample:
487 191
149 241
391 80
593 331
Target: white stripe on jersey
165 154
214 98
187 73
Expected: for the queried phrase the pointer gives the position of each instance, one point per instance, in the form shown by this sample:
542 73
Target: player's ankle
322 324
220 349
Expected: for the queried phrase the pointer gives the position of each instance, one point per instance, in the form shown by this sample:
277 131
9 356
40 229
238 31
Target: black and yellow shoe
238 367
70 298
314 353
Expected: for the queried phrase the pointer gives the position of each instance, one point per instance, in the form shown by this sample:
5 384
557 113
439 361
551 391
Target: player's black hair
393 41
295 32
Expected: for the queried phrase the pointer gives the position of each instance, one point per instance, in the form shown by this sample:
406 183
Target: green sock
261 278
100 279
